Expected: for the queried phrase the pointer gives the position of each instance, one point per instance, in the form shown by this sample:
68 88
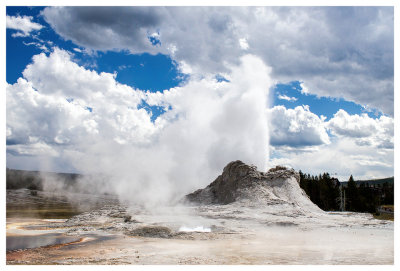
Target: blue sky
149 72
324 96
144 71
326 106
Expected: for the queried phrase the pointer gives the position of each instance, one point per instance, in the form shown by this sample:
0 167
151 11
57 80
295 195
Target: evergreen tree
352 195
324 191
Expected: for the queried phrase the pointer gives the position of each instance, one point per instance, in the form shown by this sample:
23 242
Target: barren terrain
243 217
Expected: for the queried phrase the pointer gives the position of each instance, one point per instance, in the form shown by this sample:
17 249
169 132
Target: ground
237 233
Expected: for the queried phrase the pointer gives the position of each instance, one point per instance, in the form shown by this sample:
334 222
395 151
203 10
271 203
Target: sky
169 95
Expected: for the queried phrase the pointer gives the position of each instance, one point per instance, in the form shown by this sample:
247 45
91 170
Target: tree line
331 195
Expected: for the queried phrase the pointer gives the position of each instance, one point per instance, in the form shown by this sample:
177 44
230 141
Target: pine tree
352 195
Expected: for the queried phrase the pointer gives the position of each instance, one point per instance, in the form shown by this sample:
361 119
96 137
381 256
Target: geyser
209 124
99 126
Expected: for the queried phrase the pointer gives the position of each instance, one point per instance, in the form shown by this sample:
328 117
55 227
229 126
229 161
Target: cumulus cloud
342 62
23 24
296 127
67 116
367 131
358 145
59 102
342 158
106 28
87 121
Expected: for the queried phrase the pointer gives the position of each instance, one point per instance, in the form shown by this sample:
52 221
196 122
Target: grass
384 216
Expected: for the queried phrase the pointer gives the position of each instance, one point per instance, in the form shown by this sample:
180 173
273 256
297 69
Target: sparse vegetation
384 216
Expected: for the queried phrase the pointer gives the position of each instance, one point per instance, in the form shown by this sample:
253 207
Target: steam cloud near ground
206 125
210 125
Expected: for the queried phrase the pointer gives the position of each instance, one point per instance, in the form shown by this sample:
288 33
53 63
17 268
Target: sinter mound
242 182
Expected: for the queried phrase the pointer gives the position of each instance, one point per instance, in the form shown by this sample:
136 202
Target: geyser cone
240 182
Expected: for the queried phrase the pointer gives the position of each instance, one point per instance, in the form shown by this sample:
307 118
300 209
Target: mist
210 124
206 124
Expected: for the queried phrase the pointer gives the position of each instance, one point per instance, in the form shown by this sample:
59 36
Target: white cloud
209 124
352 125
342 158
18 35
304 88
39 45
360 145
24 24
52 104
287 98
342 62
184 67
366 130
35 149
243 44
296 127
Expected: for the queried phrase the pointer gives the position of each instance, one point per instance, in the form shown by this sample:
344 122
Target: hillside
389 180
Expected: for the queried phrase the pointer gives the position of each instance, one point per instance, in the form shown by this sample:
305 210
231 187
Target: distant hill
389 180
377 181
16 179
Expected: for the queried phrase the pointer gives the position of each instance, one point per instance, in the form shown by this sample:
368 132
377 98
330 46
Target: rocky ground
243 217
220 236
